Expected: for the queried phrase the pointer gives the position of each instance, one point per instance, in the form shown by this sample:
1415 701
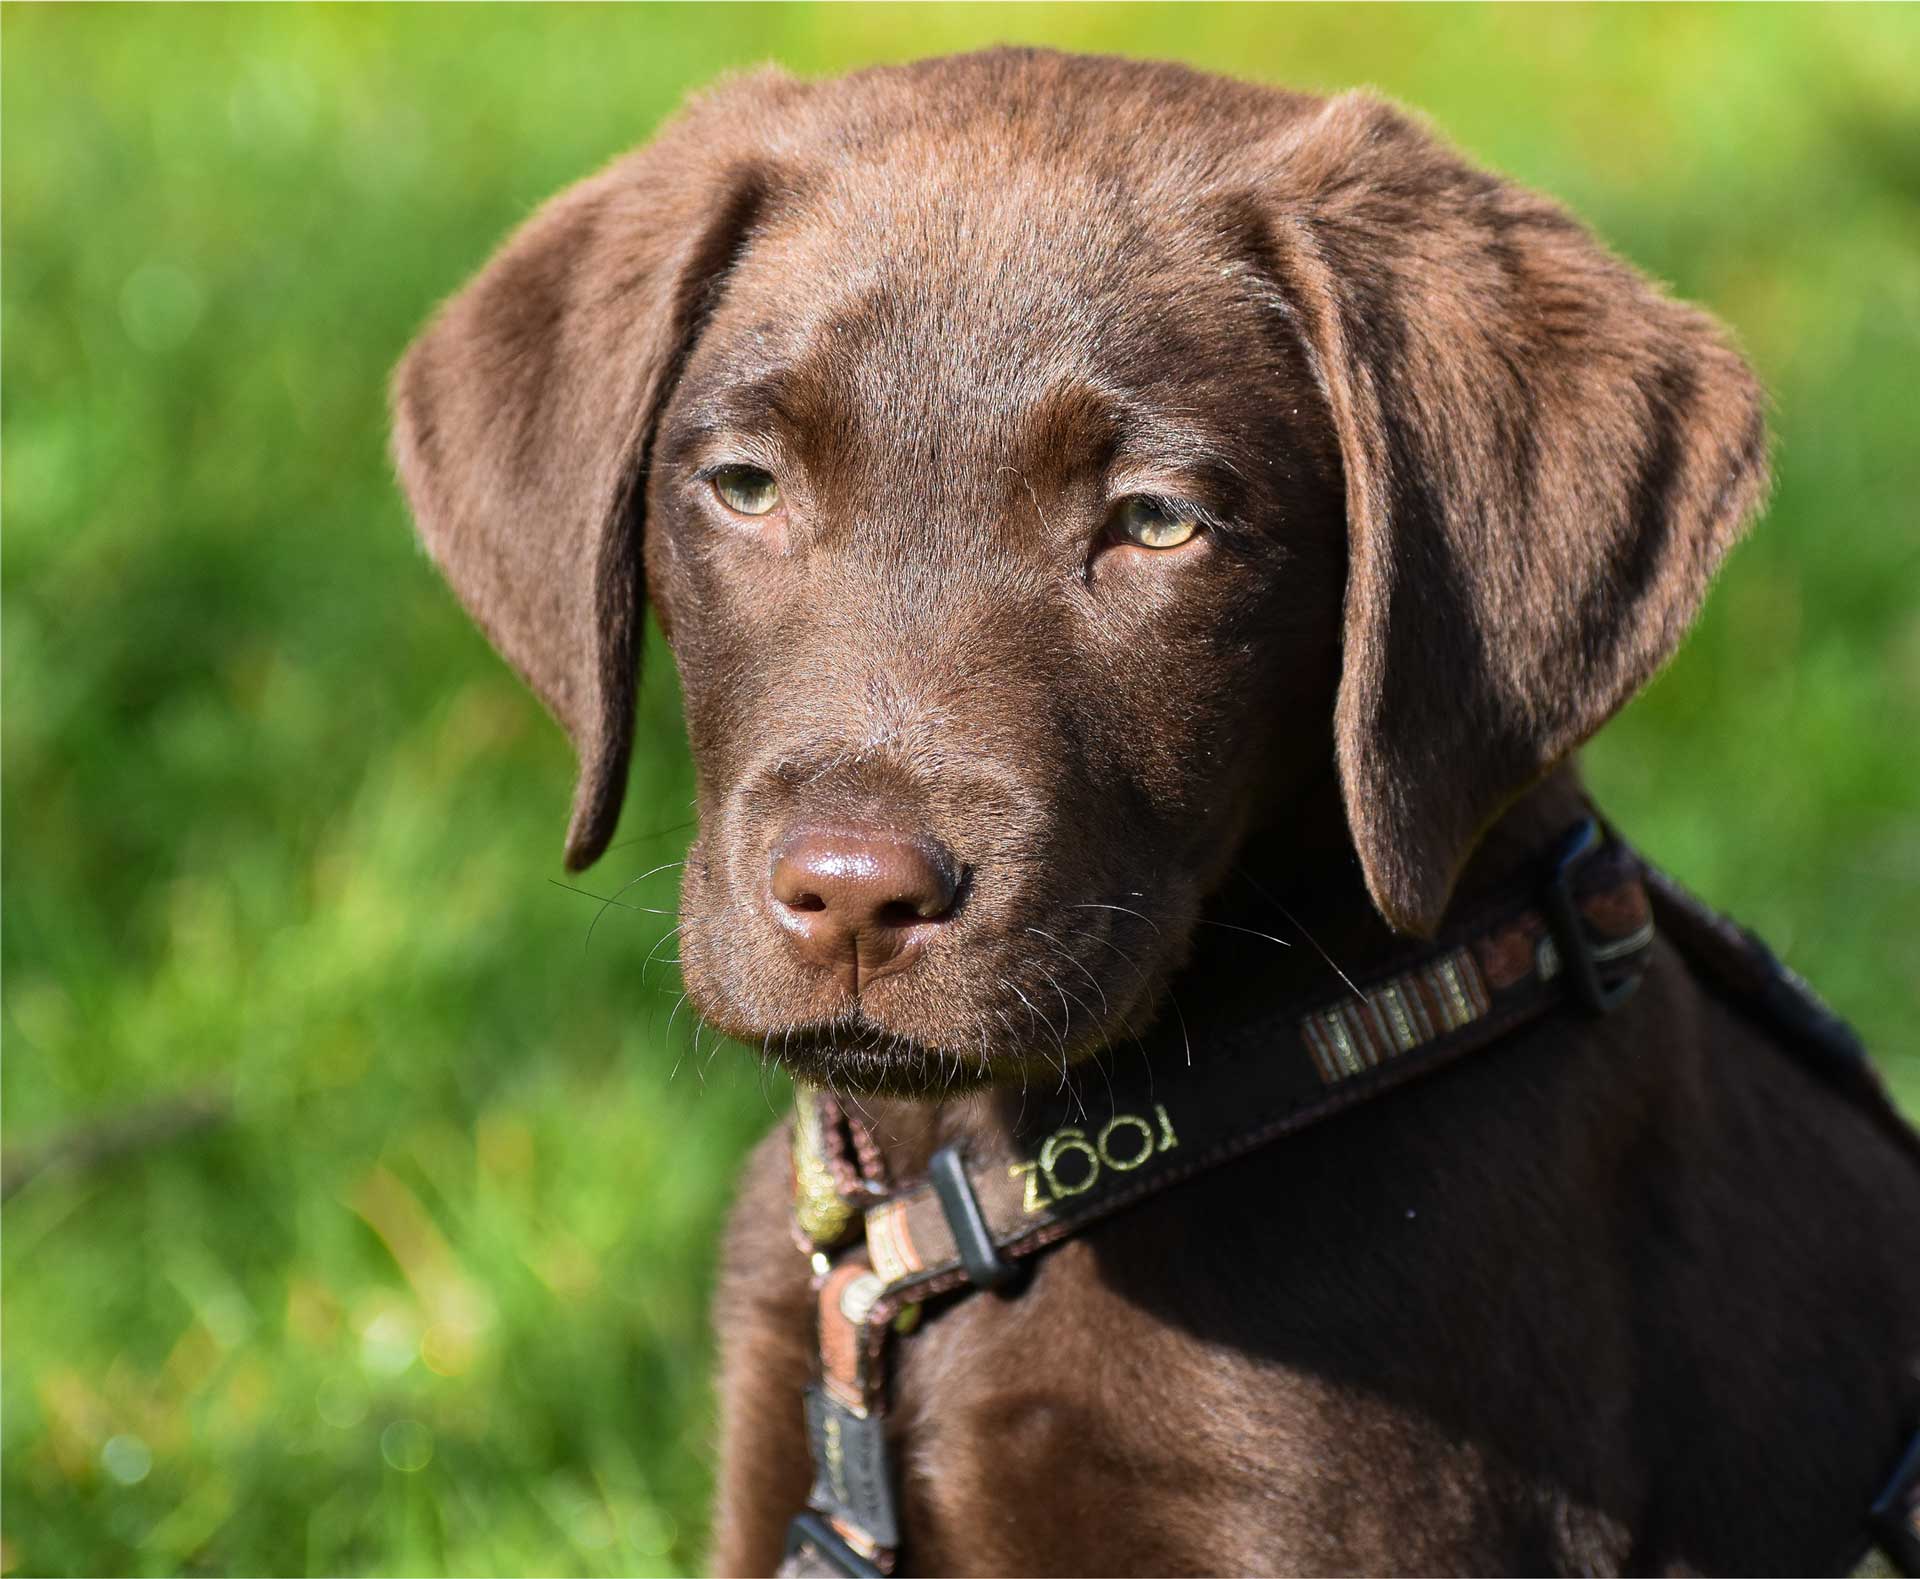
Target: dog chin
857 1055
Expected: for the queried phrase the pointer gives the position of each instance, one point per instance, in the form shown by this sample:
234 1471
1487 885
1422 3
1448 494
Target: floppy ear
524 411
1545 461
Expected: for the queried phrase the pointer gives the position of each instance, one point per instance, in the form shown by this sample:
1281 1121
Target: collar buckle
815 1547
1579 959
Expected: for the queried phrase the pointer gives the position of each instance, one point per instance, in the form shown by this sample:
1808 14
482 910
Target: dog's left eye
746 490
1153 523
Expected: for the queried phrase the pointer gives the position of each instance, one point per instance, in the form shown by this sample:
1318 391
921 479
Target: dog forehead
976 295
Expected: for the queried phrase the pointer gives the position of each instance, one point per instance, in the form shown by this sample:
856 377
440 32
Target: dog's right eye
1154 523
746 490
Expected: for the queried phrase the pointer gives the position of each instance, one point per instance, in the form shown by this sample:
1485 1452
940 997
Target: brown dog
1106 515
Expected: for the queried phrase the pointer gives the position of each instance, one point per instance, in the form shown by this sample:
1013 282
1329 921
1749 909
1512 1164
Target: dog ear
1545 461
523 414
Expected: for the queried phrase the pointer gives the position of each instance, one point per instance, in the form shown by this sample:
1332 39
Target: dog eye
746 489
1153 523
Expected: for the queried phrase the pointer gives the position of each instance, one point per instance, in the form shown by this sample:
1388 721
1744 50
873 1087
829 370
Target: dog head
1044 469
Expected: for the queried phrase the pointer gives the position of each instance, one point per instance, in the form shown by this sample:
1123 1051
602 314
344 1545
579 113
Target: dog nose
861 902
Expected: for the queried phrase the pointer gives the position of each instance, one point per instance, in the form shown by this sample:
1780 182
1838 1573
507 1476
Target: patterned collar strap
978 1213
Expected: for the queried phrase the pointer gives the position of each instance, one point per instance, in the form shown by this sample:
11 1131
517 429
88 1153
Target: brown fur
1627 1294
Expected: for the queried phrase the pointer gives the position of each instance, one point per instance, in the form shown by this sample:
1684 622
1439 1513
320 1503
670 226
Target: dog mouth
852 1049
856 1053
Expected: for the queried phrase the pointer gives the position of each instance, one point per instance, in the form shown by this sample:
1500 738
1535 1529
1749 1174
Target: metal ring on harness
985 1268
1570 932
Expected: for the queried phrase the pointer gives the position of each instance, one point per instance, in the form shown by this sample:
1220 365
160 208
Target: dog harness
882 1249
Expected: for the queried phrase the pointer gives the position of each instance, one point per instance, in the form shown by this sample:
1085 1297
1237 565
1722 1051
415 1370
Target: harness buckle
1578 957
978 1253
810 1533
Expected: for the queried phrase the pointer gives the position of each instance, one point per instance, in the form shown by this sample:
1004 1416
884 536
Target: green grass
278 828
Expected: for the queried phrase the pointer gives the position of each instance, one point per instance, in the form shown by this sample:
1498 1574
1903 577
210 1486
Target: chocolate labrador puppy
1142 549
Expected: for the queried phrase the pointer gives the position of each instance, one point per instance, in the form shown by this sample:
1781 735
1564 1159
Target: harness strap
1895 1516
1742 970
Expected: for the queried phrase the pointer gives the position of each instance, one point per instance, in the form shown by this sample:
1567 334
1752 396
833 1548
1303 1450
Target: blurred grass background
392 1248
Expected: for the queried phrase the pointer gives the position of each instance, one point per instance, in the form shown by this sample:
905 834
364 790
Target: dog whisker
620 893
1228 926
766 1069
1034 1016
1294 921
588 893
658 833
614 901
607 903
1186 1041
1125 958
1067 954
1066 1013
1014 1038
1028 485
664 940
1123 910
668 1036
1126 1024
652 871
